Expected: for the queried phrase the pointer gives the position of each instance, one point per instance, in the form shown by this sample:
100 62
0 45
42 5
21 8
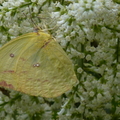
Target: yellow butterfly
35 64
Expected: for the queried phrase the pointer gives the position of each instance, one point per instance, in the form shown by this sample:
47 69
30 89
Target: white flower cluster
15 17
89 31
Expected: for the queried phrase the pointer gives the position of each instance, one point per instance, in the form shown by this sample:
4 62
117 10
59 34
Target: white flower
8 117
87 84
117 110
92 93
17 3
35 9
4 38
88 57
107 95
118 74
61 111
99 96
55 14
107 117
79 70
40 1
33 0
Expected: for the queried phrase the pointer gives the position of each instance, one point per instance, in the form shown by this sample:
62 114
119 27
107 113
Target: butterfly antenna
26 16
35 25
32 21
55 26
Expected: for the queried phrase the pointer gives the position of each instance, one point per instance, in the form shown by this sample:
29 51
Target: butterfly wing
9 55
36 64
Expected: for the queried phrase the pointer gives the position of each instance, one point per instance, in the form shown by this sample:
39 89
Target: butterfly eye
36 65
11 55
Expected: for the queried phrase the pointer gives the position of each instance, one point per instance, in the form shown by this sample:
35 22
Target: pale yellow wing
36 64
9 55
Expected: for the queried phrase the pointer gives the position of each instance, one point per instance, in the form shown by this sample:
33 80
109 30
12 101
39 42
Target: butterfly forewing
9 56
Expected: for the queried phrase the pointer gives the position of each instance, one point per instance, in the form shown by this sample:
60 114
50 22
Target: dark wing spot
36 65
11 55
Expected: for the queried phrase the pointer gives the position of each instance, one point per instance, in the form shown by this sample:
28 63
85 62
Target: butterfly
35 64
